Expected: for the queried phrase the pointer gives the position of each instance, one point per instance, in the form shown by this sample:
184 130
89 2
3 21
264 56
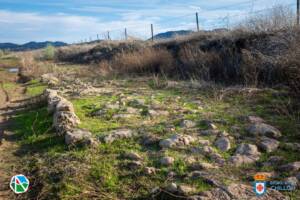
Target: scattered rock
241 191
133 156
254 119
274 161
298 176
123 116
177 140
291 167
172 187
247 149
292 146
49 79
167 161
245 154
119 134
202 166
223 143
213 194
131 110
134 165
186 189
113 106
156 113
149 170
261 129
150 140
187 124
292 180
78 137
99 113
203 142
209 132
268 144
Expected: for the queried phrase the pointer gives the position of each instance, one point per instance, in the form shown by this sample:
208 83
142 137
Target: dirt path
8 147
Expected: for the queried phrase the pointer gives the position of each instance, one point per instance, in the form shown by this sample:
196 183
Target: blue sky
75 20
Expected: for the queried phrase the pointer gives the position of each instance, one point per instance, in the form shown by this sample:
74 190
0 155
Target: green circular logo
19 184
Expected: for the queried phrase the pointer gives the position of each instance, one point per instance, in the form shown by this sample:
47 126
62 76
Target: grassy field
103 172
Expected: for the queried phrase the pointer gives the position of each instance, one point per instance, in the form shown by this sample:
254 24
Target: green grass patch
35 88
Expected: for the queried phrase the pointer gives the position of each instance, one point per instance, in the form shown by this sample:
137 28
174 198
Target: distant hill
29 45
172 34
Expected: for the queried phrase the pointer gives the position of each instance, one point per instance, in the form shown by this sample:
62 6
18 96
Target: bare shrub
290 68
278 17
146 60
32 68
197 63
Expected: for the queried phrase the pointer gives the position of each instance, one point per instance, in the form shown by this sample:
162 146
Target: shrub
49 52
146 60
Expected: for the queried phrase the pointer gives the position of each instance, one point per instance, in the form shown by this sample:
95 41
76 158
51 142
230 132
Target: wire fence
205 20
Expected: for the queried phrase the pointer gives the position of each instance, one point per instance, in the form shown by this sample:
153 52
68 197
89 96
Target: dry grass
147 60
277 18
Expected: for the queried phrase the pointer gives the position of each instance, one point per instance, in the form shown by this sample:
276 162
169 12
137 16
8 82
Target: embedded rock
167 161
223 143
247 149
291 167
177 140
172 187
261 129
49 79
78 137
268 144
241 191
149 170
119 134
133 156
187 124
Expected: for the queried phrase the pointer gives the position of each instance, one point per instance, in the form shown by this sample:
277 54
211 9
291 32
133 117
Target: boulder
223 143
78 137
65 121
268 144
262 129
119 134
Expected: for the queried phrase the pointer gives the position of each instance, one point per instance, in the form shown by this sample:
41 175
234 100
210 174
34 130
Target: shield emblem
260 187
